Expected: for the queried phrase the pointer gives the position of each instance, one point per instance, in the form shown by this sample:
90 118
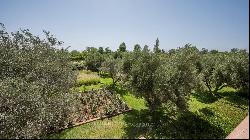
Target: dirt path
241 131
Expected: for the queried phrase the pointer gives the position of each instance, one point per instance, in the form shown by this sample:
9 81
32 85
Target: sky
211 24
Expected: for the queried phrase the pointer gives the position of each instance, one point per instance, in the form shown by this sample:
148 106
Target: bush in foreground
34 85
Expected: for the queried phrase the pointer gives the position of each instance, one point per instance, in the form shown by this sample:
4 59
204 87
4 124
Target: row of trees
170 76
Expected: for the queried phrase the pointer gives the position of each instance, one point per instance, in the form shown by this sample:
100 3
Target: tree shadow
184 126
234 98
205 97
231 96
237 101
207 111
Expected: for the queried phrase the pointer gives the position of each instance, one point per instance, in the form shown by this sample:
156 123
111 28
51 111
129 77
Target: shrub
34 85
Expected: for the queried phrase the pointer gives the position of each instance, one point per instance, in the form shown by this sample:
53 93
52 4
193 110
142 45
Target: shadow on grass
231 96
234 98
205 97
186 126
237 101
207 111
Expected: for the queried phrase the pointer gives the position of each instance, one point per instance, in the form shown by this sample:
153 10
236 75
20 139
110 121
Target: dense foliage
226 69
35 79
162 79
162 76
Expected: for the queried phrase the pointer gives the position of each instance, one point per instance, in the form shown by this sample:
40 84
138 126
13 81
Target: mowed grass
208 117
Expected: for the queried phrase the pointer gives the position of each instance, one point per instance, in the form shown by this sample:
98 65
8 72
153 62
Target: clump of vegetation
225 69
34 86
160 81
87 78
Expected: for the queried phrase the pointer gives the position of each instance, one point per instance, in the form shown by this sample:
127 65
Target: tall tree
93 59
156 46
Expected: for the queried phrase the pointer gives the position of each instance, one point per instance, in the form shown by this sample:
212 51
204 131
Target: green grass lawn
226 112
207 118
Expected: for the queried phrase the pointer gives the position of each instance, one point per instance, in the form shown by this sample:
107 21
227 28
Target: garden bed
95 105
99 103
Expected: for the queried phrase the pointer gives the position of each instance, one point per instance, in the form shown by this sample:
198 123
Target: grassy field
207 118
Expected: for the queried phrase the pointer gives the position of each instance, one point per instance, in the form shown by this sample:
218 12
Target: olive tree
156 48
112 67
178 76
35 82
212 71
216 70
168 79
143 79
238 67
